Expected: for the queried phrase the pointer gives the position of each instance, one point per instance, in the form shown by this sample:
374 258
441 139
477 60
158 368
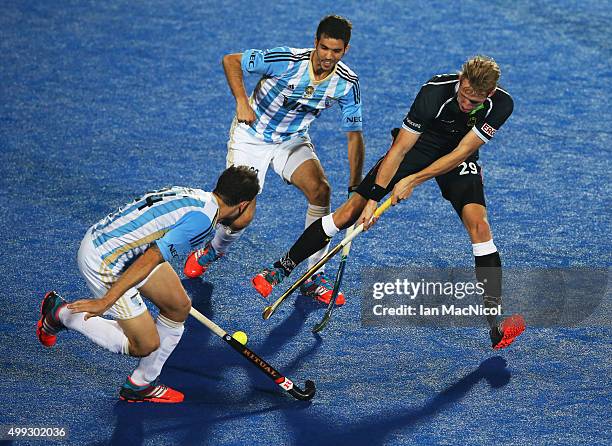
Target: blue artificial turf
101 101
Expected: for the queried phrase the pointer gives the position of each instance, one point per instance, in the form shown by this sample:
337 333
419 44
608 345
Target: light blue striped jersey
288 98
178 219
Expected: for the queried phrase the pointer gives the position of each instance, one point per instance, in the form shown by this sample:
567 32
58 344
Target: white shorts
243 149
99 279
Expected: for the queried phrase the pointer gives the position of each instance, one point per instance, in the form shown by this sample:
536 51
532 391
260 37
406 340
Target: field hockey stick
332 302
270 309
285 383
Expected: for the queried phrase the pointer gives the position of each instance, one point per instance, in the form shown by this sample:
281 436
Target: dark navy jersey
435 114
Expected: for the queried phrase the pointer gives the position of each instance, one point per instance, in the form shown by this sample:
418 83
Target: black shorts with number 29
462 185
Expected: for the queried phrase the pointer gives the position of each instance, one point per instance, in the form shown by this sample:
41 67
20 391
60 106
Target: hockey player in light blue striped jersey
288 98
126 255
271 129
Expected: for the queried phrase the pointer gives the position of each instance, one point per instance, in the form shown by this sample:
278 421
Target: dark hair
237 184
335 27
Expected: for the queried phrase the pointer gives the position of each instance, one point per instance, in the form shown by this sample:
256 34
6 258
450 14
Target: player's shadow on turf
312 429
201 294
185 423
291 326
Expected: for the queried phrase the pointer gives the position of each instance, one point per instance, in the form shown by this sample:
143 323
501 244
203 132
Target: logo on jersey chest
471 121
173 250
309 91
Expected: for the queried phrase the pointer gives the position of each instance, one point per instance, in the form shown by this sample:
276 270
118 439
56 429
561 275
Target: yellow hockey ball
241 337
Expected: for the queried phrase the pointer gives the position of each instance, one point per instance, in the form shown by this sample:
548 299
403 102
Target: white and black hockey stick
332 302
285 383
270 309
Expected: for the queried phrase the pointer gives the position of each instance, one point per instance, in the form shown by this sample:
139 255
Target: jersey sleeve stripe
480 135
203 233
504 91
113 256
490 107
405 127
286 53
356 93
283 59
145 217
199 239
273 57
343 72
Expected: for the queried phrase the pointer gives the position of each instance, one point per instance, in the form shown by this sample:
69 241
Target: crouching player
125 256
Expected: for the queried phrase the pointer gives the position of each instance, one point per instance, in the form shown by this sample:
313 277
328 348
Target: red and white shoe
267 279
320 288
152 393
199 261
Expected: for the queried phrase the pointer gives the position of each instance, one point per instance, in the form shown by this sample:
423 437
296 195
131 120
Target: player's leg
105 333
487 261
310 178
319 233
305 172
243 149
163 287
132 332
315 238
464 188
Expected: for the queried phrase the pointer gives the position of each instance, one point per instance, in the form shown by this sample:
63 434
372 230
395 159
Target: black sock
312 240
489 273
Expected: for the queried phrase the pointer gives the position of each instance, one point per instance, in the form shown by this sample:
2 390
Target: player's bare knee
479 230
141 347
151 347
182 310
319 194
177 308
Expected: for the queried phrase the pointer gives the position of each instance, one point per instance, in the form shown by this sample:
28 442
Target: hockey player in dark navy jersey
452 116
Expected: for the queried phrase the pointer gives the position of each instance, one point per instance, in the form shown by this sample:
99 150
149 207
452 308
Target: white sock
224 237
484 248
104 332
329 227
150 367
314 213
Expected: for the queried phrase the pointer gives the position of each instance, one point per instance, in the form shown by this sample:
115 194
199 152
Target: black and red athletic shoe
267 279
152 393
507 331
49 323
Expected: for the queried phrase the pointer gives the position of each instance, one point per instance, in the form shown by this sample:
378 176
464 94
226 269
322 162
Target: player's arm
356 154
467 146
401 146
422 112
136 273
232 65
352 124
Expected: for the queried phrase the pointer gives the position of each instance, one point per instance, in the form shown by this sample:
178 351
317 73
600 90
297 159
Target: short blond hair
482 73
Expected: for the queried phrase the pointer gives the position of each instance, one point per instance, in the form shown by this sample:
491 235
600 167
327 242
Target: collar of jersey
312 75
